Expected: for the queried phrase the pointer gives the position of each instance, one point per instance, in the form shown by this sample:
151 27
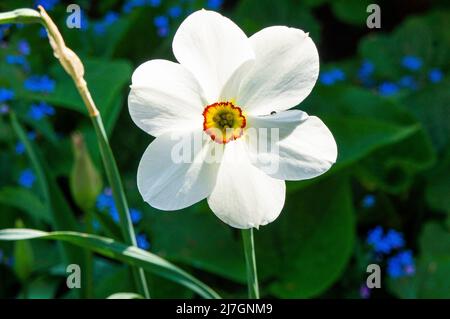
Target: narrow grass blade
113 249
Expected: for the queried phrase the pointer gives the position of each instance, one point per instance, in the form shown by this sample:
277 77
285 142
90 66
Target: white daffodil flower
224 86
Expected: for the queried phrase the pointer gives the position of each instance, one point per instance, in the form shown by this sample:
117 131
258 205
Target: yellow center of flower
223 122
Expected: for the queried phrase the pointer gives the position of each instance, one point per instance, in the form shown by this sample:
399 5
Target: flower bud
85 181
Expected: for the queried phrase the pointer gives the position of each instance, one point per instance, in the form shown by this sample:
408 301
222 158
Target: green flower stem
113 175
250 261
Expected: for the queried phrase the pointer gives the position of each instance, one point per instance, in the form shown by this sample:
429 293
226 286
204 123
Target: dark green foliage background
396 148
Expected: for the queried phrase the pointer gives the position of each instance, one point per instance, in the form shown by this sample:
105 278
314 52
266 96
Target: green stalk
113 175
250 261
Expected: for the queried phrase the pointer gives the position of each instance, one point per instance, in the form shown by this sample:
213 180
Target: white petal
165 97
173 173
244 196
285 71
230 90
212 47
305 149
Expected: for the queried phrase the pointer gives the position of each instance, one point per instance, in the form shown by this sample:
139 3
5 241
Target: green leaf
25 200
357 137
314 3
380 51
439 23
169 290
312 241
315 225
43 287
112 249
111 277
44 127
217 248
351 11
360 121
438 186
384 137
434 277
431 279
136 26
108 225
348 100
106 80
254 15
435 240
115 35
430 106
394 167
426 37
